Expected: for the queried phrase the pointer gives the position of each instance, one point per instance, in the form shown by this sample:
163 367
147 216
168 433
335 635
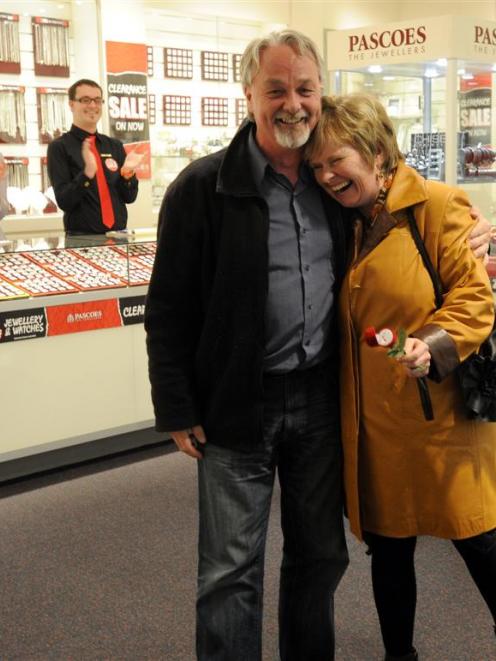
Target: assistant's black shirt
77 195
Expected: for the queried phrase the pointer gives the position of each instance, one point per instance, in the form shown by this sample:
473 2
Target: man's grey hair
300 43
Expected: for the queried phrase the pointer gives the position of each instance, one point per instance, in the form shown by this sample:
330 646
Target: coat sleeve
172 311
466 317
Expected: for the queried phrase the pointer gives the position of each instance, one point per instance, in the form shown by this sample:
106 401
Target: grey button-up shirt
300 299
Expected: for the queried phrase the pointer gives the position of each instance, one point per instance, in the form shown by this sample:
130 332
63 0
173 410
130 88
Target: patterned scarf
381 197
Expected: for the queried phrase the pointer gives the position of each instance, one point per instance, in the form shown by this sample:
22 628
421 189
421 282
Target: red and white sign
127 88
79 317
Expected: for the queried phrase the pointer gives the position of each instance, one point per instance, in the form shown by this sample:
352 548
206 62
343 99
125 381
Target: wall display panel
215 111
207 74
177 110
37 112
178 63
150 63
241 110
236 64
427 154
152 109
54 117
17 171
51 46
10 51
215 66
12 115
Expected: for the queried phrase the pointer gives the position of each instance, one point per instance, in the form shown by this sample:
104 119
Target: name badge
111 164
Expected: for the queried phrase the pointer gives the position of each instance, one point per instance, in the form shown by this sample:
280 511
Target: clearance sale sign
475 109
127 94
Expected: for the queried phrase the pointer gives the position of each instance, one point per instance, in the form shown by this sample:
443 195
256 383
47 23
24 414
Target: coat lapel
408 188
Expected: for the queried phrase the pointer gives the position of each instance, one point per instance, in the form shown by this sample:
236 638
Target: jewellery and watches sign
71 318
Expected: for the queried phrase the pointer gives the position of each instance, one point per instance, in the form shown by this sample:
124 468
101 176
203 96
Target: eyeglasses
87 100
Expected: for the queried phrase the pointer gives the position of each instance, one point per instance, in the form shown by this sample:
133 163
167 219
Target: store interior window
413 96
416 98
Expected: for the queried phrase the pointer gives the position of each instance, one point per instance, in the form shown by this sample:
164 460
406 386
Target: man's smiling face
284 98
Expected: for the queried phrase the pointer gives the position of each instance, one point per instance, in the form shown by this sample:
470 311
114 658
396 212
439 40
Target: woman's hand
417 357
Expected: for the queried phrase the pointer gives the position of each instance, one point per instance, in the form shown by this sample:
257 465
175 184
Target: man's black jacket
206 302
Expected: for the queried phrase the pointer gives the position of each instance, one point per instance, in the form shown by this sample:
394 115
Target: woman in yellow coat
406 476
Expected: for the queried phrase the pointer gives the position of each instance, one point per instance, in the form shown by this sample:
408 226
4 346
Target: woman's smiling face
346 176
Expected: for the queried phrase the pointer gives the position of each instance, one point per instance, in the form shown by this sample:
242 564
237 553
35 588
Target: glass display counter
65 264
72 347
437 80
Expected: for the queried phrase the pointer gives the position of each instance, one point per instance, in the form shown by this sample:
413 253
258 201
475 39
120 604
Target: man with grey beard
243 360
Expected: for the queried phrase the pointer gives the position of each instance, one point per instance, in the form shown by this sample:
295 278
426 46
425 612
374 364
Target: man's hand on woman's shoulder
480 235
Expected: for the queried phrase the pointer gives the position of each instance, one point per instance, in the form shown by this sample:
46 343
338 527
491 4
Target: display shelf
36 58
51 46
31 277
63 264
12 114
10 52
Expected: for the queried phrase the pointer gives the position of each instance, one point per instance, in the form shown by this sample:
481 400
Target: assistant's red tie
103 189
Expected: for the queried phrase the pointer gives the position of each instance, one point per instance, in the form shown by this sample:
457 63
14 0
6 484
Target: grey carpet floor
98 562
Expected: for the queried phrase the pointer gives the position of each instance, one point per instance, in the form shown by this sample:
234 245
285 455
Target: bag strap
422 385
436 282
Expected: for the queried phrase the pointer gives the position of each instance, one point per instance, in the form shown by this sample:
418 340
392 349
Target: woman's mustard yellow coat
403 475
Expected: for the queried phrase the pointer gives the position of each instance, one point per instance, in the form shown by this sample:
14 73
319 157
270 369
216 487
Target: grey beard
290 139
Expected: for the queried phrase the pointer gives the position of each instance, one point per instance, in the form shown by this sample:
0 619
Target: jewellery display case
81 379
60 264
436 78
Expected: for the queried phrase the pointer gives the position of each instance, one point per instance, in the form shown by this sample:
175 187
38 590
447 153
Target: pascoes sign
365 41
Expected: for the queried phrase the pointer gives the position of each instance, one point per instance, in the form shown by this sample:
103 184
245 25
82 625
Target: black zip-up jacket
205 307
76 194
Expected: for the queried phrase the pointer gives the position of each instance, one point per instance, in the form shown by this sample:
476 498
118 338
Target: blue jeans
300 440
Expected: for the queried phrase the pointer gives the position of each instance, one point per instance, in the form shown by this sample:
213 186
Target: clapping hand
133 160
89 159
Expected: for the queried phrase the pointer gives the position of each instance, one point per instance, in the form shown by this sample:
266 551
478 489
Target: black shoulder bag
477 373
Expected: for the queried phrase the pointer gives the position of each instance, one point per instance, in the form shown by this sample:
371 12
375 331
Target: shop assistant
91 175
